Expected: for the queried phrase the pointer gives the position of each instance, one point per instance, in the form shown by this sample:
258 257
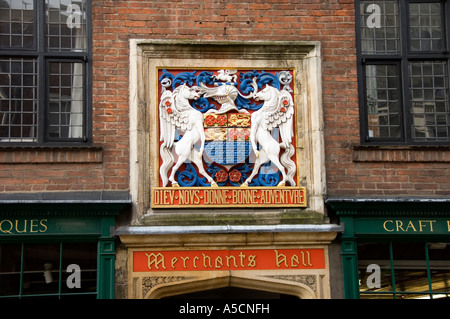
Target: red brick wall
331 22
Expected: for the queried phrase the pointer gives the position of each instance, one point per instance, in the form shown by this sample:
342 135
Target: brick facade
350 170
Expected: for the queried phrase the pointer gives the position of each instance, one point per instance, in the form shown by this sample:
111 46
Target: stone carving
264 128
175 112
277 111
149 282
308 280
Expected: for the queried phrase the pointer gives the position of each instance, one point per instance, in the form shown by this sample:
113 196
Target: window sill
401 154
45 155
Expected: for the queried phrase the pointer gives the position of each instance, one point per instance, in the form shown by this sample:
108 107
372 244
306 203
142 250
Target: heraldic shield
226 128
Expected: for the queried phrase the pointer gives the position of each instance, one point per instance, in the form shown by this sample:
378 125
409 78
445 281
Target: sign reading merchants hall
202 260
227 137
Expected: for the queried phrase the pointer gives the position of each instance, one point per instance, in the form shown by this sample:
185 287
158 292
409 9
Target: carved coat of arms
226 128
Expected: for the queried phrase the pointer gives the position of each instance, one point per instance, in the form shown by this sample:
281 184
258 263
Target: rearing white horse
175 112
277 111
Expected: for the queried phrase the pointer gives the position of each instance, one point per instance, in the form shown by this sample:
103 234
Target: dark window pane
382 101
425 27
35 271
439 254
66 25
84 256
374 254
429 98
410 270
41 269
10 269
18 100
66 100
380 32
17 24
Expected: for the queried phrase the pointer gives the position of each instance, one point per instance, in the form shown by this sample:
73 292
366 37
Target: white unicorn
276 112
175 112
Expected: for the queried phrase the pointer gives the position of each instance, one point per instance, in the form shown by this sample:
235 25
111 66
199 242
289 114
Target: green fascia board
371 207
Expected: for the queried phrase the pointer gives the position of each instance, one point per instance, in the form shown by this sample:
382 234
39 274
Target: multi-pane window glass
383 100
380 33
43 84
42 270
18 99
66 25
66 102
429 100
425 27
17 24
404 270
403 57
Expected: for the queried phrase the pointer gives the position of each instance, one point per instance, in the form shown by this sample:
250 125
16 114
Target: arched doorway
214 265
245 286
232 293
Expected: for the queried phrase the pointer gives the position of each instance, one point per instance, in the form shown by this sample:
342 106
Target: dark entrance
232 293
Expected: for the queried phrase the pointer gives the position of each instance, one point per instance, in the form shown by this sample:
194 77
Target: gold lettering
174 261
245 197
431 225
420 225
24 230
254 196
194 261
248 197
218 262
399 224
235 200
309 258
155 259
184 261
263 198
242 257
296 196
272 197
218 197
303 258
4 229
252 261
385 227
197 198
223 197
410 225
430 222
280 197
166 197
43 225
280 258
156 197
33 225
21 226
448 225
205 258
181 198
294 260
234 261
188 197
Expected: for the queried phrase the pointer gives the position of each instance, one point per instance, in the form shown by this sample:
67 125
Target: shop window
50 270
403 66
400 270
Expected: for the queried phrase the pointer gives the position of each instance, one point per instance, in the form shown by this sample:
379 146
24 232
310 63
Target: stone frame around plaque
150 57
